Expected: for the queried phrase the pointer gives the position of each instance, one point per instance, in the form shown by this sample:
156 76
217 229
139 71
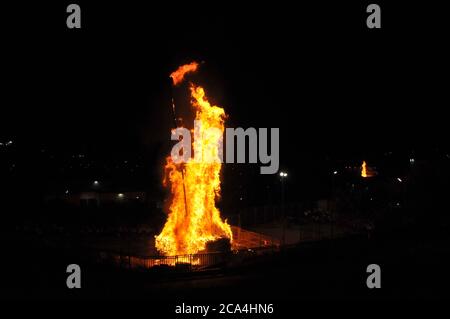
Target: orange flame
191 225
178 75
366 171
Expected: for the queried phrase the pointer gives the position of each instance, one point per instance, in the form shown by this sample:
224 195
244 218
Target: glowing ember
194 219
178 75
366 171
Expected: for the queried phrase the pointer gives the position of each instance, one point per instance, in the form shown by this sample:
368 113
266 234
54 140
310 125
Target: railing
245 244
190 262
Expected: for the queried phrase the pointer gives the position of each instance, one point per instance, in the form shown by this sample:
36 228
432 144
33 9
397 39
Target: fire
178 75
366 171
193 218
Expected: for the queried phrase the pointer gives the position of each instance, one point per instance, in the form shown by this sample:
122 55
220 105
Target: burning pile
193 218
366 171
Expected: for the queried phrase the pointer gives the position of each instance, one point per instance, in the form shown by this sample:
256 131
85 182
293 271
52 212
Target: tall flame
194 219
178 75
366 171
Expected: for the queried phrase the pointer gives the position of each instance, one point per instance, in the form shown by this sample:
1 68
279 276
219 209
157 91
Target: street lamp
333 198
283 176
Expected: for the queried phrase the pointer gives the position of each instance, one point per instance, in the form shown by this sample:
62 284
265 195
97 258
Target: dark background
335 88
338 91
314 70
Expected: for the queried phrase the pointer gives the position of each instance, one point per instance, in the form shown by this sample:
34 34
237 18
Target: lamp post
283 176
333 206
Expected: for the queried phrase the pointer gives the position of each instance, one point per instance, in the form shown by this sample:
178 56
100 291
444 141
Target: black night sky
339 92
341 89
336 89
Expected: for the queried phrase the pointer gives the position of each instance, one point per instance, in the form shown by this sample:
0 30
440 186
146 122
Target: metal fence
190 262
246 244
187 262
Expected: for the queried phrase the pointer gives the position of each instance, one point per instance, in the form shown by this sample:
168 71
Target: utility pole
283 175
182 164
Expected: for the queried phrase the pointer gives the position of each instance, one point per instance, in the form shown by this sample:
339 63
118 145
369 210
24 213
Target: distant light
137 197
335 172
67 191
283 174
411 160
399 179
96 183
6 143
120 195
